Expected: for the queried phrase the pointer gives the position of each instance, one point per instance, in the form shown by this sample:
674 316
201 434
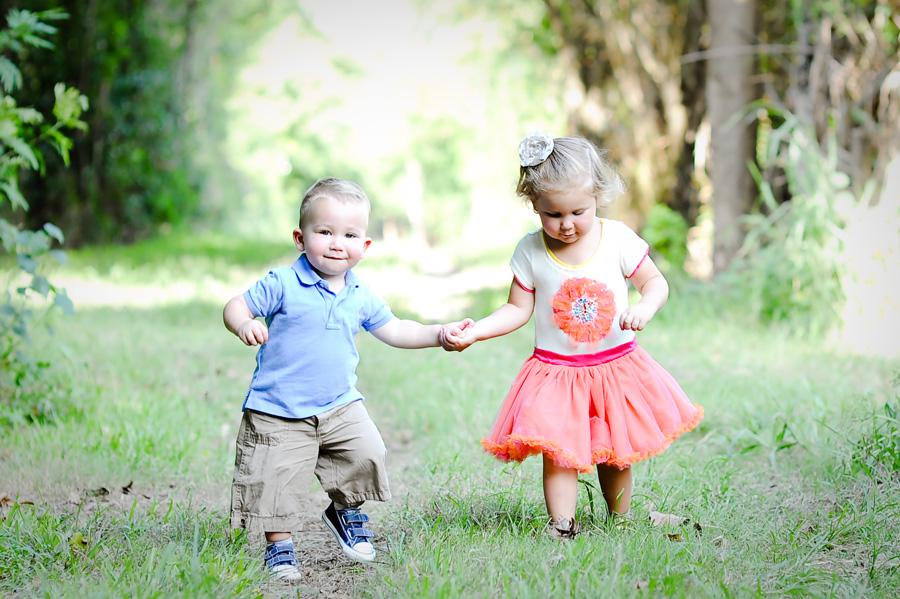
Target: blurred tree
730 90
157 72
821 247
832 63
626 90
836 67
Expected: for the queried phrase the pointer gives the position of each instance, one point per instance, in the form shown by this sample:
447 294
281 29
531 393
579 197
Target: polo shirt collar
309 277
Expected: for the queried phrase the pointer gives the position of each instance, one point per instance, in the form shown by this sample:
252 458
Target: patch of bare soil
327 572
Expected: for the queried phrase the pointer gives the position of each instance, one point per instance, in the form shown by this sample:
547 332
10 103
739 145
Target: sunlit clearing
362 90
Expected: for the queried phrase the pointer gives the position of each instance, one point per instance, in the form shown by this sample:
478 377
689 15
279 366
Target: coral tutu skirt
616 407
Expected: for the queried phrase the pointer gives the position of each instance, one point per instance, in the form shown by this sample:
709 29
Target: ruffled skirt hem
517 448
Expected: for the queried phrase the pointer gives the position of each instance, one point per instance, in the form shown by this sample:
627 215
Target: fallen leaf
661 519
97 492
697 527
129 490
719 541
5 499
675 537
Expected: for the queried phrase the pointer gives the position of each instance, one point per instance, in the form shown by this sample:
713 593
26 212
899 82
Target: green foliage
132 170
791 264
190 555
440 150
28 294
877 453
666 232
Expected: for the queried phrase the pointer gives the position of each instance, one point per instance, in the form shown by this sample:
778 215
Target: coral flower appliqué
584 310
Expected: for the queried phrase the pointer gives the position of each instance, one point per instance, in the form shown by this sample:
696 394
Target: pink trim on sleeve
646 253
521 285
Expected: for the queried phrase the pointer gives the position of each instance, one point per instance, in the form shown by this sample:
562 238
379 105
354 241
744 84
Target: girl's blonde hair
341 190
574 160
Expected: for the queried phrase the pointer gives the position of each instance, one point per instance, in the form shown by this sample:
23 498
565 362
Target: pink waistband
607 355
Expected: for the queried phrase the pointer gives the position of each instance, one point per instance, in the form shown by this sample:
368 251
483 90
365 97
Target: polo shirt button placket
330 304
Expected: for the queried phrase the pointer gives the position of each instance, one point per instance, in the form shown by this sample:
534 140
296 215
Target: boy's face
333 235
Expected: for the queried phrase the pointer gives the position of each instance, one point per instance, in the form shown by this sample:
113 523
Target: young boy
303 413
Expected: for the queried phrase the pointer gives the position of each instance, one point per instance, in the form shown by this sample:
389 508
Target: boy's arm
408 334
507 318
241 321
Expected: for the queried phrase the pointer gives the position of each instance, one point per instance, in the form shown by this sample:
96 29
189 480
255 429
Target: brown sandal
563 528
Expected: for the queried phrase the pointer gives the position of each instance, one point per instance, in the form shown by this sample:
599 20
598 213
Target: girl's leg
560 490
274 537
616 487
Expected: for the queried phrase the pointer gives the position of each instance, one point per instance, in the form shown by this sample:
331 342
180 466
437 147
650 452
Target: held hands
253 332
636 317
457 336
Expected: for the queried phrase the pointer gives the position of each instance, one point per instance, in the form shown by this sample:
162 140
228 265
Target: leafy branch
22 130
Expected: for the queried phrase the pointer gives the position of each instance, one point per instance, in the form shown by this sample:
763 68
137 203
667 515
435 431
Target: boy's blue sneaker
281 561
347 525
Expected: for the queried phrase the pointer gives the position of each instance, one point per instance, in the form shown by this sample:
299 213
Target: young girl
589 394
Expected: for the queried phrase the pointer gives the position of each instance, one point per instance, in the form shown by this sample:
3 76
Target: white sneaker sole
286 573
367 555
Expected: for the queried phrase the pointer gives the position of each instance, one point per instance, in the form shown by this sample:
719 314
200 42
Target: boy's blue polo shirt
308 365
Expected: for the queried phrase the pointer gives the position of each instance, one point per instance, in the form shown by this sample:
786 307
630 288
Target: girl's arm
241 321
409 334
654 290
507 318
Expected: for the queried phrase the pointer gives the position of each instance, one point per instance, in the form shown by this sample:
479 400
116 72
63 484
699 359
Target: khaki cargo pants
277 457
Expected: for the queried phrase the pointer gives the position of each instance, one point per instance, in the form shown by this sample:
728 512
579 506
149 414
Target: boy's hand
457 336
636 317
253 332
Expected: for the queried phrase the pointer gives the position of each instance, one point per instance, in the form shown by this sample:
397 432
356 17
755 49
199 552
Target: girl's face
567 215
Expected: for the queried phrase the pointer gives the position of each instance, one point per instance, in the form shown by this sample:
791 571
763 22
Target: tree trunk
685 198
729 91
626 97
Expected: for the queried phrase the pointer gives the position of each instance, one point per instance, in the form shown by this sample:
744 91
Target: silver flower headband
535 148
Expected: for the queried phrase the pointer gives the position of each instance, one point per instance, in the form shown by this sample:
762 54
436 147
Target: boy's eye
350 235
578 212
324 232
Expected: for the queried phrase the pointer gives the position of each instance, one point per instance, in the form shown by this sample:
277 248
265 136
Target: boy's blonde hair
573 160
341 190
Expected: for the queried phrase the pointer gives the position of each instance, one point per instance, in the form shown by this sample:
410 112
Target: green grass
791 482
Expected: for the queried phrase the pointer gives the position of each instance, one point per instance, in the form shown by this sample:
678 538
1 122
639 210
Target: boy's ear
366 244
298 239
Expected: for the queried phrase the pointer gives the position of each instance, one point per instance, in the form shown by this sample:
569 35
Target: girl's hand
654 290
636 317
457 336
253 332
